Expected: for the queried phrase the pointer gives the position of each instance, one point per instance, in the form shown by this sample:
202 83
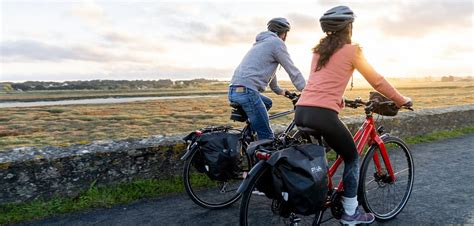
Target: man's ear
283 36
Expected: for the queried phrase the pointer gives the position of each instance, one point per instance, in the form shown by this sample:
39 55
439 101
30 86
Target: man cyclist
257 71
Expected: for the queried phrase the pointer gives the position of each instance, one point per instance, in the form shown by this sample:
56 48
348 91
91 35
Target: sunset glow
105 39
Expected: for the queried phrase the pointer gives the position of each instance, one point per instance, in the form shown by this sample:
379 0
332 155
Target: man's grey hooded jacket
258 67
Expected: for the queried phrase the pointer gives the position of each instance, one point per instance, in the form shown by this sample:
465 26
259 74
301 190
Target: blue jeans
256 107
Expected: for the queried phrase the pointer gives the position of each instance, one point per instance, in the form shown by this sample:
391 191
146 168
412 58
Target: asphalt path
443 194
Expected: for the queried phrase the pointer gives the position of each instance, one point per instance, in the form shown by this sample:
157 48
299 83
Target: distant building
447 78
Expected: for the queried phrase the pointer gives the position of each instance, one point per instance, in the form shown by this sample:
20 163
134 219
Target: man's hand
283 92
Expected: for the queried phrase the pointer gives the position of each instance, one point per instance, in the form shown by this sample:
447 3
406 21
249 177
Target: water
98 101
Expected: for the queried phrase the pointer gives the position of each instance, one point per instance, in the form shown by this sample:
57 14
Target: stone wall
29 172
407 124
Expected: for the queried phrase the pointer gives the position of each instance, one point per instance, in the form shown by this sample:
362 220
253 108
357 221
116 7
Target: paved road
443 194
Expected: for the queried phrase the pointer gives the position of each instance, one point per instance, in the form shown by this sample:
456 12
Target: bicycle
387 167
214 194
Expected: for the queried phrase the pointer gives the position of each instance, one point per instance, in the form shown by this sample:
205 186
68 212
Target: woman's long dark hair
329 44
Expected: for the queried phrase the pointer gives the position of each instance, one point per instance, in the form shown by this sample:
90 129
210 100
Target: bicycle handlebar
294 97
290 95
370 104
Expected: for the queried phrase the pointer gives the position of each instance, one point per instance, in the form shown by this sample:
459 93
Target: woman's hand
408 103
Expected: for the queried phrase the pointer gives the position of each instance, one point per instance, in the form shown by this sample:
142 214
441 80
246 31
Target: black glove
290 94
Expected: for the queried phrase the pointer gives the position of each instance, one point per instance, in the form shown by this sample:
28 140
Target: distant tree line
104 84
451 78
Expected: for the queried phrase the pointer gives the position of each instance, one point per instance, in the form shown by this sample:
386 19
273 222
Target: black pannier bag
265 183
385 110
299 178
219 155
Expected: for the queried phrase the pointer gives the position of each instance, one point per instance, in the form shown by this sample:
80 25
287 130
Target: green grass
94 197
440 135
106 197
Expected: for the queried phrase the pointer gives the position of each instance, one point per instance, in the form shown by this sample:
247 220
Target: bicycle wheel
380 195
257 209
209 193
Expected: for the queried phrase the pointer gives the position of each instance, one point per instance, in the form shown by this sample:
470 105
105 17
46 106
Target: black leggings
339 138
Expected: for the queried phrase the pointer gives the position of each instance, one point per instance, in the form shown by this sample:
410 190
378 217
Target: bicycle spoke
257 209
382 196
206 192
402 171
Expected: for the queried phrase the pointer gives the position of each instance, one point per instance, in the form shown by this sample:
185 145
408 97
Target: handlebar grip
290 95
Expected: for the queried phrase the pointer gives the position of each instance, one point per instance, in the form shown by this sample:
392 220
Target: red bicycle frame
366 135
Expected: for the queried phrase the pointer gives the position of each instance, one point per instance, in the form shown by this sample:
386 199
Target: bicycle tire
403 167
263 210
205 192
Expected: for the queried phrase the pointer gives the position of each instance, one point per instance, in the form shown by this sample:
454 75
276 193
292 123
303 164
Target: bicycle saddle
235 105
309 131
237 114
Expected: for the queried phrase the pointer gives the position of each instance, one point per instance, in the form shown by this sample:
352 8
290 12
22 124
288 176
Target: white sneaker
257 192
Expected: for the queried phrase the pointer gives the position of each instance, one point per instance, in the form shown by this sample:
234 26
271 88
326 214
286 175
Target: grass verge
440 135
94 197
100 197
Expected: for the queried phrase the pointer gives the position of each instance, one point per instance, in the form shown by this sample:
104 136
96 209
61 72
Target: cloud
166 71
197 27
117 39
93 14
227 35
416 19
90 12
244 31
118 36
232 32
30 50
456 50
302 22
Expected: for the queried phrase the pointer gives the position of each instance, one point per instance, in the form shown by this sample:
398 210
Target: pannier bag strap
226 143
305 152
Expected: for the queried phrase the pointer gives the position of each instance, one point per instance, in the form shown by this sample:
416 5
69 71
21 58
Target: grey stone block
28 173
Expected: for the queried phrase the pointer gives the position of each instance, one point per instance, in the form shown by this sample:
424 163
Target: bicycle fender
189 150
254 171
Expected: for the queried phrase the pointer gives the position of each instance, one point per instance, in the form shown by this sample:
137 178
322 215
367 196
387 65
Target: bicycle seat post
311 132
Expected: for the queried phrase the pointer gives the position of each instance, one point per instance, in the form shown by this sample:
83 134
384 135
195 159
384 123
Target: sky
59 40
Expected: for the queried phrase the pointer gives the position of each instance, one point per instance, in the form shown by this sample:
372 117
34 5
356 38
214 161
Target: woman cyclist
334 60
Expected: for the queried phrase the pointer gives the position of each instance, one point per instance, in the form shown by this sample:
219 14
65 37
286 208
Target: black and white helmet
278 25
336 19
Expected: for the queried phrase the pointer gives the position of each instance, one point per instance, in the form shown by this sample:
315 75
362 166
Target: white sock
350 205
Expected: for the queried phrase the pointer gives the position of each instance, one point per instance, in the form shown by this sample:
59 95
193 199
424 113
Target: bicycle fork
385 158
